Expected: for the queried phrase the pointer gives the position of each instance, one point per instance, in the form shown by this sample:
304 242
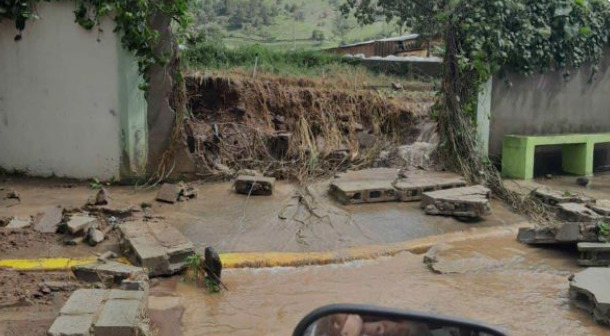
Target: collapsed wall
294 128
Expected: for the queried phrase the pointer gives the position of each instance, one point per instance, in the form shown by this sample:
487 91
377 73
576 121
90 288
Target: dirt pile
295 128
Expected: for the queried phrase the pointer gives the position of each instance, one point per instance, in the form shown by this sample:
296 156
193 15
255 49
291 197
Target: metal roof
388 39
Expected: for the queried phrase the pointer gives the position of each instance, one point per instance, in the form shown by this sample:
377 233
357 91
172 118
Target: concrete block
254 185
18 223
79 223
84 301
576 212
119 318
589 290
156 246
601 207
413 187
473 202
71 325
110 271
48 219
168 193
594 254
363 191
554 197
532 236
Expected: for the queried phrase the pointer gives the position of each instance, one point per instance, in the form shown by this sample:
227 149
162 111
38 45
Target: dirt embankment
295 128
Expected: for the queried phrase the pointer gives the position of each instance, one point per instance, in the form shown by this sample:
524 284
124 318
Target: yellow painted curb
293 259
45 264
288 259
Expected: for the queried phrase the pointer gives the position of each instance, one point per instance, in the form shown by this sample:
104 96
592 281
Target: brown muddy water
524 291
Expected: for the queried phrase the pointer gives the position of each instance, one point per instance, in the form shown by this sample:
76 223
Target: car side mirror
359 320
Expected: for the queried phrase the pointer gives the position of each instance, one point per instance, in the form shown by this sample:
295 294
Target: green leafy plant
95 183
196 273
604 230
132 19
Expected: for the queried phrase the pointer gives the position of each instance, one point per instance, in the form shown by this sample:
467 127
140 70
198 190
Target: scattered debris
583 182
589 290
104 257
110 272
254 185
95 236
13 194
602 207
397 86
470 202
102 197
566 233
81 224
47 221
554 197
59 286
172 193
168 193
594 254
18 223
156 246
102 313
576 212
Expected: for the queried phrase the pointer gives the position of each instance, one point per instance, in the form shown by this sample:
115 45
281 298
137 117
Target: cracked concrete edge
295 259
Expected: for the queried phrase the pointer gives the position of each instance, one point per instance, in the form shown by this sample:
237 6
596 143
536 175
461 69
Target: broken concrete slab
594 254
108 272
589 290
541 236
71 325
102 312
471 202
387 184
168 193
48 219
95 236
18 223
80 223
576 212
601 207
156 246
554 197
254 185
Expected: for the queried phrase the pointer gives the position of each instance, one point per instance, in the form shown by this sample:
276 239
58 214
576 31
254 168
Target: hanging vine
486 38
132 18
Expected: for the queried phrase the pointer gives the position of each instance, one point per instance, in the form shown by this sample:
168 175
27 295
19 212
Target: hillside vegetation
282 23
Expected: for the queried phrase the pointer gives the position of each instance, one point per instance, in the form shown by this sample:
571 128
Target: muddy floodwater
522 290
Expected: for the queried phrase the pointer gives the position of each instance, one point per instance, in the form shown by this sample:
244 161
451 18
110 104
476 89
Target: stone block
413 187
110 271
471 202
254 185
156 246
601 207
71 325
84 301
168 193
363 191
18 223
576 212
119 317
594 254
48 219
589 290
554 197
533 236
80 223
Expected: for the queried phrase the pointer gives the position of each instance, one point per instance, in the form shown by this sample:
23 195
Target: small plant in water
604 230
195 272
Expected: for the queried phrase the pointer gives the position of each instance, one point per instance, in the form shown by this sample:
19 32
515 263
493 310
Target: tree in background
424 17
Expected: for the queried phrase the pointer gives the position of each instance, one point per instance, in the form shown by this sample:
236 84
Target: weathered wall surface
69 102
548 104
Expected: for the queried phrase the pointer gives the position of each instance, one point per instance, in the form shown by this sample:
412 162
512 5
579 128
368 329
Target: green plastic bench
577 153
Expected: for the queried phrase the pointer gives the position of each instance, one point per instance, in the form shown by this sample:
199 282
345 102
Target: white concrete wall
61 99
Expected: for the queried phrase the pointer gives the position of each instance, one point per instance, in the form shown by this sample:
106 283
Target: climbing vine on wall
492 37
132 17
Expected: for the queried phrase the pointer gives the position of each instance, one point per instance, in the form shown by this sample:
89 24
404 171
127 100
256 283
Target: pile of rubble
581 218
440 193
